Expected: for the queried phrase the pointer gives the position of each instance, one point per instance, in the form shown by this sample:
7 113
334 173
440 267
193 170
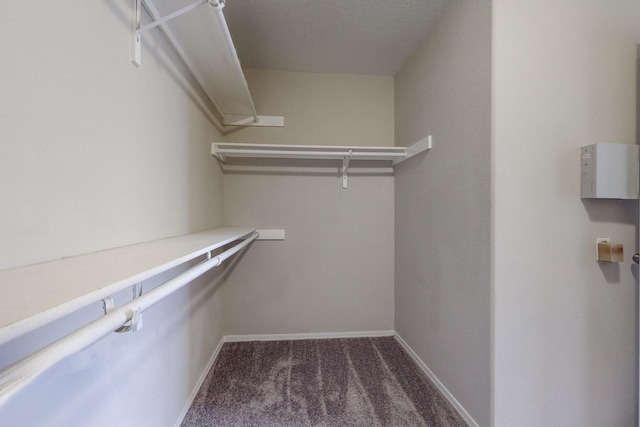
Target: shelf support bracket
238 120
135 324
425 144
135 37
216 153
137 29
108 304
345 168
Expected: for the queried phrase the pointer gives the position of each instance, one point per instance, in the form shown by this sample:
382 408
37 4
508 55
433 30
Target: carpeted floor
328 382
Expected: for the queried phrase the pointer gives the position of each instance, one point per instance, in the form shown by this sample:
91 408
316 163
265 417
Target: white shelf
394 155
198 32
224 150
35 295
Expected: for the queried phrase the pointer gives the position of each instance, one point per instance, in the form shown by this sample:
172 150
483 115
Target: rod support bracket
217 4
134 325
136 290
136 5
108 305
215 152
345 168
137 29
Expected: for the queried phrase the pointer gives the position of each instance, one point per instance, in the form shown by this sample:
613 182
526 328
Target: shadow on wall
306 167
612 210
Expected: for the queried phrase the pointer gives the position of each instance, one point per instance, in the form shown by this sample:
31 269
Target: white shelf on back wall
374 155
35 295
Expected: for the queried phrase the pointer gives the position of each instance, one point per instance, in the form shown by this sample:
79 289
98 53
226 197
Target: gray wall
334 271
564 75
320 109
442 204
98 154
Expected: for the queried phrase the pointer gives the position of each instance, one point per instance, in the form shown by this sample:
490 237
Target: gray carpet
329 382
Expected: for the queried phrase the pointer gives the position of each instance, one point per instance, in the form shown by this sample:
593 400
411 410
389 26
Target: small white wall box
610 171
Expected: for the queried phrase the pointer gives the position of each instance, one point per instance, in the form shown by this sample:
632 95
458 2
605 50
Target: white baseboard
198 385
311 336
446 393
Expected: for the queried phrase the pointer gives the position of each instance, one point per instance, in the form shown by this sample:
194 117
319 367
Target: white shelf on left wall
35 295
198 32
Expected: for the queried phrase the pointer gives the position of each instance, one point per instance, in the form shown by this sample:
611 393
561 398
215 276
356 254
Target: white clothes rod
320 155
21 373
225 150
34 295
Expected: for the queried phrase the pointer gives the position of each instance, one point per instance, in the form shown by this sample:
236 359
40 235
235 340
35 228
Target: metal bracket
108 304
215 152
135 324
345 168
266 121
135 37
137 290
425 144
137 30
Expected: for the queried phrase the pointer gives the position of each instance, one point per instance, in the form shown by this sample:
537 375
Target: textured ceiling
330 36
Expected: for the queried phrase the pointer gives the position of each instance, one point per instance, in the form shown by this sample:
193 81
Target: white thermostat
609 171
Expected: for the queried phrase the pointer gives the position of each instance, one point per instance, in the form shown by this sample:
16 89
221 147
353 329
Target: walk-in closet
303 213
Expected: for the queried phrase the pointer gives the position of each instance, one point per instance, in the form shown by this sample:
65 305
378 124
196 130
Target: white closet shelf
198 32
225 150
35 295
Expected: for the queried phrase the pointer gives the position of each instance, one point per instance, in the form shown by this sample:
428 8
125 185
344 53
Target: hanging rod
217 68
224 150
222 154
23 372
35 295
